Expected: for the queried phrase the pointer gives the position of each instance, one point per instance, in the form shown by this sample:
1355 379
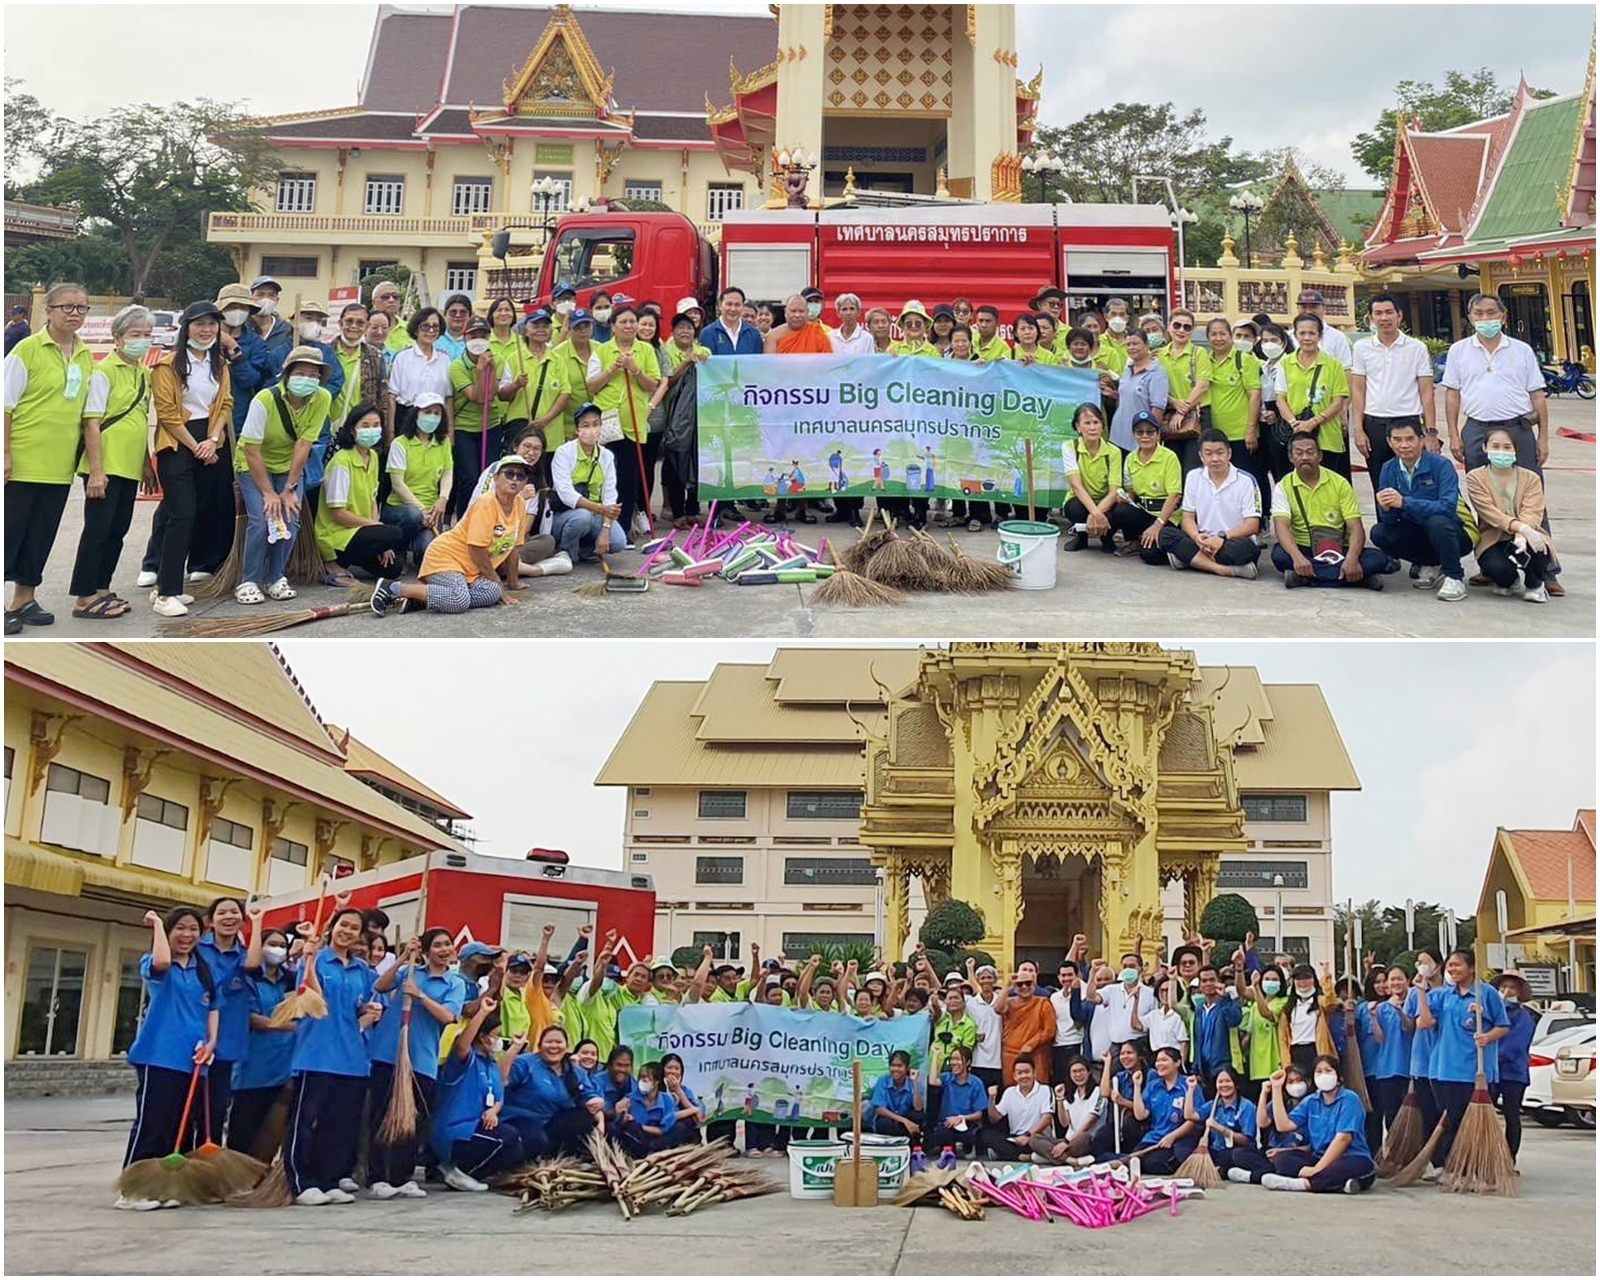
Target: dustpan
855 1177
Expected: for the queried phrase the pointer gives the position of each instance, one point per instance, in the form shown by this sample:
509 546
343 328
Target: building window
160 834
288 862
52 1003
641 190
168 813
78 813
722 804
724 946
230 857
1274 808
1239 874
297 192
641 857
805 944
721 198
1298 947
825 804
818 871
713 870
305 268
130 1004
386 197
471 195
563 198
461 277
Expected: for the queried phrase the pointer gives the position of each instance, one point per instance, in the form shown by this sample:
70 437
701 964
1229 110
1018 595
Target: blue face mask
366 437
303 386
1502 459
427 423
1488 328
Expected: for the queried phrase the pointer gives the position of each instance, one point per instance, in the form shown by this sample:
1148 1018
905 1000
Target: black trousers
1427 1103
652 454
247 1118
1338 460
176 469
683 496
488 1152
1373 562
1077 514
1104 1143
370 542
1452 1097
395 1164
1377 430
158 1101
216 1095
1387 1096
214 513
1439 540
324 1129
33 516
1508 1096
630 483
1250 1159
1254 464
1496 562
467 452
1233 552
962 1141
105 525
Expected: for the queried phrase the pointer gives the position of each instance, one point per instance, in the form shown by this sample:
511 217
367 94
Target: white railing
348 224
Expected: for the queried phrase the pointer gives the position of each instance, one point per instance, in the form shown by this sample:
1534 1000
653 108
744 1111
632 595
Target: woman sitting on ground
1094 472
1078 1111
421 473
463 568
963 1104
549 1099
894 1109
1231 1128
349 532
664 1113
469 1139
1509 502
1120 1133
1160 1107
1335 1122
538 555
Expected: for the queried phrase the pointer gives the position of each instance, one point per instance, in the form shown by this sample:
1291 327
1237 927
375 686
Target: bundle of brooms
680 1180
915 563
945 1187
248 625
554 1184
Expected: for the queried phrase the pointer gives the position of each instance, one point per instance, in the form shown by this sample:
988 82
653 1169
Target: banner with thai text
768 1064
886 426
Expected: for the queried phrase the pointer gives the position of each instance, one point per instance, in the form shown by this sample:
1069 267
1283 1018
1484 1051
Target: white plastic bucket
1028 549
811 1165
893 1156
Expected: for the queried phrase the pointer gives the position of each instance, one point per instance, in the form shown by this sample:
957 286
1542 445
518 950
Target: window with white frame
297 192
230 855
641 189
721 198
287 865
386 197
78 813
1273 808
461 277
563 199
471 195
160 833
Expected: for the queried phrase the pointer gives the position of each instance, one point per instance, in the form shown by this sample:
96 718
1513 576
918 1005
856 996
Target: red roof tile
1543 856
1449 166
406 61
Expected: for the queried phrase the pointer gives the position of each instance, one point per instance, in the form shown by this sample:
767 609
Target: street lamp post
1248 204
1277 916
545 193
1180 217
1045 167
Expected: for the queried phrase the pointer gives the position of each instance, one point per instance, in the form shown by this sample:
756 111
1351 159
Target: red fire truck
1000 254
500 901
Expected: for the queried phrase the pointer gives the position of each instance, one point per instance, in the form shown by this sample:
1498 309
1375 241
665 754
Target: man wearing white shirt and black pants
1391 381
1127 1001
1221 515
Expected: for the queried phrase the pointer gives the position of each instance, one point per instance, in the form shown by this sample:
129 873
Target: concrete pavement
1095 596
61 1156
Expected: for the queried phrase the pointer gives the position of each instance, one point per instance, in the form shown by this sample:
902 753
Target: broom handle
638 448
188 1103
207 1108
316 928
1027 452
489 385
1478 1019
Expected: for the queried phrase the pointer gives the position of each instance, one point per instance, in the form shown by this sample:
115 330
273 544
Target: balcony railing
1230 289
341 224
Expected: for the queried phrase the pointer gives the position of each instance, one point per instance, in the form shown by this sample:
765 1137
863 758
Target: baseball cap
587 407
580 315
812 294
540 315
687 304
1142 418
1310 295
721 969
563 291
261 282
475 949
944 311
520 961
424 399
477 325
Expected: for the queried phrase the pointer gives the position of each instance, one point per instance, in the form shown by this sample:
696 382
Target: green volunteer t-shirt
469 416
125 443
995 349
420 464
1151 483
1329 504
1232 377
47 422
1295 394
280 434
348 484
1099 471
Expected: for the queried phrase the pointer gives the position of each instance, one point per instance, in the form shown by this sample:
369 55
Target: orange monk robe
1031 1021
813 340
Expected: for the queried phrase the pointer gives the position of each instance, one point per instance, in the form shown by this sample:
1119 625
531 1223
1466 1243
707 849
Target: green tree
1465 96
950 926
27 125
1226 919
1383 930
152 173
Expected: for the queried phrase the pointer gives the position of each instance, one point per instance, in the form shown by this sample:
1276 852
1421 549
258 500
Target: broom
597 590
221 584
1200 1166
1405 1137
1480 1162
1355 1075
1412 1173
853 591
305 1002
1027 453
233 1170
174 1176
638 448
970 576
271 1136
896 563
251 625
400 1119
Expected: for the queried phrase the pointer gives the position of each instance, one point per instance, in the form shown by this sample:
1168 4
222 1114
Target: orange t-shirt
813 340
498 532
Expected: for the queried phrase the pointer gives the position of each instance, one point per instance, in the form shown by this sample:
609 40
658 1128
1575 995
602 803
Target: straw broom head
235 1171
1411 1173
400 1120
251 625
221 584
1201 1168
272 1192
1480 1162
305 561
853 591
1405 1137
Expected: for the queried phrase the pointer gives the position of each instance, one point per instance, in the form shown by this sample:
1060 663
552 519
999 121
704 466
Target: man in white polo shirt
1021 1113
1391 380
1221 515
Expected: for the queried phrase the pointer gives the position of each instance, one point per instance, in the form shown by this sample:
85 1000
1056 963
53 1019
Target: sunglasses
427 328
1144 431
516 477
1182 328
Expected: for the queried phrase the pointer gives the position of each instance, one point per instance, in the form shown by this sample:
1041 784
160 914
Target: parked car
165 328
1559 1017
1572 1082
1540 1096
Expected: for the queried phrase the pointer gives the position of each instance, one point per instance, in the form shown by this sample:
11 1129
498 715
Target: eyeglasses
516 477
71 308
427 328
1144 431
1182 328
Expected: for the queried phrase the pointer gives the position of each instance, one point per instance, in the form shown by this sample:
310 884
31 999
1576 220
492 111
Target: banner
886 426
768 1064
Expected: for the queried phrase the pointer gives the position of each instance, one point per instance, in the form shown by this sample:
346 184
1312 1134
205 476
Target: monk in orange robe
1028 1023
799 335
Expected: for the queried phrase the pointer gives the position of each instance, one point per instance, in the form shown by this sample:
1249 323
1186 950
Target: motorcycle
1570 376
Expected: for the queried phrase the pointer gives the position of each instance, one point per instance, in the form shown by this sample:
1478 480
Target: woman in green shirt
1312 391
1152 488
622 376
421 475
1262 1008
115 462
46 389
1094 473
474 379
348 529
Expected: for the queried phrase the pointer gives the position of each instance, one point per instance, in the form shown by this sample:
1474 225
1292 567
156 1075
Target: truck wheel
1550 1119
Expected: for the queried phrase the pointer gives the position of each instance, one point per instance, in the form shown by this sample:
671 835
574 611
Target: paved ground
1095 596
61 1155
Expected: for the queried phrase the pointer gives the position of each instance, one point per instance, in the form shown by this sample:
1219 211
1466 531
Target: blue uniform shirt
334 1044
383 1041
175 1019
1278 1141
610 1091
957 1099
536 1092
659 1112
900 1099
1513 1048
233 997
1455 1057
467 1088
271 1051
1165 1106
1422 1041
1239 1117
1391 1058
1322 1120
1213 1046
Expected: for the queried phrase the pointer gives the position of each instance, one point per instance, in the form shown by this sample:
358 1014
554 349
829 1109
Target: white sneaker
383 1191
1277 1182
1249 570
1505 591
1238 1175
138 1206
197 575
281 590
1175 562
146 578
168 606
410 1191
183 598
349 1185
458 1181
1536 595
1433 1175
559 563
338 1195
172 1204
1453 589
1352 1186
311 1196
1427 576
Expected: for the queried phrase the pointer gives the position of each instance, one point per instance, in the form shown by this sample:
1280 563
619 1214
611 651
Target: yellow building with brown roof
147 775
1548 877
1111 789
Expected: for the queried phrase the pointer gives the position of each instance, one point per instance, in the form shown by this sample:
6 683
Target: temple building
1505 206
1110 789
459 113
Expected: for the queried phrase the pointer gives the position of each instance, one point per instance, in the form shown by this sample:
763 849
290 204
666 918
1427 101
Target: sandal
32 614
102 607
281 590
340 579
248 593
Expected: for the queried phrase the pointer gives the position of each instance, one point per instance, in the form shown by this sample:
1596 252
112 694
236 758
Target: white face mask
274 955
267 306
1425 970
1242 346
235 316
1272 350
1304 993
1327 1082
1296 1088
477 346
602 314
564 308
310 330
1119 324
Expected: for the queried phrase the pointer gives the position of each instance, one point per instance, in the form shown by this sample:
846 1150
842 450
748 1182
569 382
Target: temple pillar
896 905
983 82
802 68
1130 895
1006 913
936 883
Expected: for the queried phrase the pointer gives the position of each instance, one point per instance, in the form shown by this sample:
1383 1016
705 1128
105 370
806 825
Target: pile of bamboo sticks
554 1184
679 1181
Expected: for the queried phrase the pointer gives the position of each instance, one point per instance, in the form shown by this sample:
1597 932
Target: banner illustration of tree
887 426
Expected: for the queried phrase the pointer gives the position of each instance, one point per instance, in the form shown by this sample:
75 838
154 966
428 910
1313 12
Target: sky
1449 738
1094 54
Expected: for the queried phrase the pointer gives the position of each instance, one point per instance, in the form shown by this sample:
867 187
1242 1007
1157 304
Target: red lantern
1515 262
